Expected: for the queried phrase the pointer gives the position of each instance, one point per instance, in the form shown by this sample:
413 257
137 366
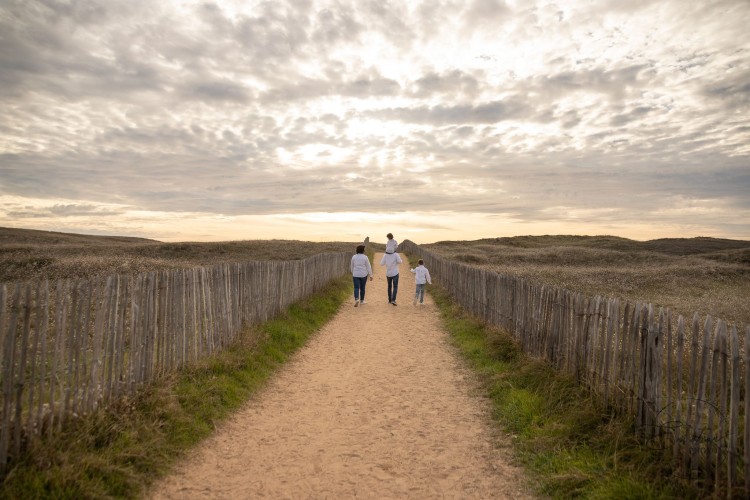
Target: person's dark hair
389 236
421 262
360 249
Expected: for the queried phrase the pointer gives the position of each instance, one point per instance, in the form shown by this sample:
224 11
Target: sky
332 120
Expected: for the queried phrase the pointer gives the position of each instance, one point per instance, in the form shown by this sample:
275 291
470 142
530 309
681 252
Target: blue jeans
419 294
392 287
359 287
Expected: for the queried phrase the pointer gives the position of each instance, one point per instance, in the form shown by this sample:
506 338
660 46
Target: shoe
363 302
356 303
393 304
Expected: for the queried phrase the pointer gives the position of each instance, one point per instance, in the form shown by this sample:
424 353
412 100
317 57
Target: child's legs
419 294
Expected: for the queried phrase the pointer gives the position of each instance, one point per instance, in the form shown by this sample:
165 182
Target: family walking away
422 277
361 270
391 262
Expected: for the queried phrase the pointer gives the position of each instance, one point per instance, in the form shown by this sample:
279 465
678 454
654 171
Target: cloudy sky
334 119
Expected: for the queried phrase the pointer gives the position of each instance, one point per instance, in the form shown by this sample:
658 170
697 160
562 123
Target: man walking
391 262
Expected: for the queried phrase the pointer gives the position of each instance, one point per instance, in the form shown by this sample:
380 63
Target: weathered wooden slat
746 440
95 378
69 345
34 362
734 410
625 359
669 352
43 327
9 355
722 408
692 397
58 356
123 348
609 347
701 395
110 328
713 396
679 398
21 380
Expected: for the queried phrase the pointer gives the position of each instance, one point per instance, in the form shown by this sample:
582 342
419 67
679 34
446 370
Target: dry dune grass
704 275
27 255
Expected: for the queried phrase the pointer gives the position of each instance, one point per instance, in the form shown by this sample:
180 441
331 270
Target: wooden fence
69 348
683 380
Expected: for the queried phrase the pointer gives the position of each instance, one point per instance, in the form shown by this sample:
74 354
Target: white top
422 275
391 262
360 266
391 246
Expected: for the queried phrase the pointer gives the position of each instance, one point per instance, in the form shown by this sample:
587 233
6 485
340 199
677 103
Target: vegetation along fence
69 348
684 380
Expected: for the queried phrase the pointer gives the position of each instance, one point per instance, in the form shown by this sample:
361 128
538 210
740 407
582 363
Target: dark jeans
359 287
392 287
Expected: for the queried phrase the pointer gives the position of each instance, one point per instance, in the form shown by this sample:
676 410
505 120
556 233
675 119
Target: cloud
610 109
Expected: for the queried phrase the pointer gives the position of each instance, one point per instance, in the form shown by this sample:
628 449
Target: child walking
422 276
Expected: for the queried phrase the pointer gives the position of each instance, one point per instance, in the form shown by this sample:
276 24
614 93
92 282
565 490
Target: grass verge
119 452
569 445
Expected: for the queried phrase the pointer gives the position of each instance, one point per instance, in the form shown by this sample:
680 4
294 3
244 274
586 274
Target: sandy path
376 405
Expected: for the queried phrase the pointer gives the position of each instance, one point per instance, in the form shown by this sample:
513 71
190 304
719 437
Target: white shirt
391 246
360 266
391 262
422 275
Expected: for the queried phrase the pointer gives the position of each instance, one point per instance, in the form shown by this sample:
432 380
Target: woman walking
361 269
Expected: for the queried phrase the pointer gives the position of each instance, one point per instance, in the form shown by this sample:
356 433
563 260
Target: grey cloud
370 85
485 14
74 210
491 112
734 91
632 115
612 82
217 90
336 25
58 211
452 82
388 17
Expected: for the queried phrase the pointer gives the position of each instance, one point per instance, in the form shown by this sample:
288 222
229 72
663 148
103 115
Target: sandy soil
377 405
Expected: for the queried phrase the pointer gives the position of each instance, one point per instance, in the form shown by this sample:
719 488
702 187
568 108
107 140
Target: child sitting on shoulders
392 244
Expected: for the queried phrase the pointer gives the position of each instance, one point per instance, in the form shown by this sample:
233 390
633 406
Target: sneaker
363 302
356 303
393 304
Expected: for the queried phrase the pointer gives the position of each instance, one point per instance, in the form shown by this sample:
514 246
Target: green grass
568 443
119 452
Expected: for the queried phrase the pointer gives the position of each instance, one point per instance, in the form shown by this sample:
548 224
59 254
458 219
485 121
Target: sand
378 404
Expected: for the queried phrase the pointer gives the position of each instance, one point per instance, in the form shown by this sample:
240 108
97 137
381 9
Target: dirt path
376 405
